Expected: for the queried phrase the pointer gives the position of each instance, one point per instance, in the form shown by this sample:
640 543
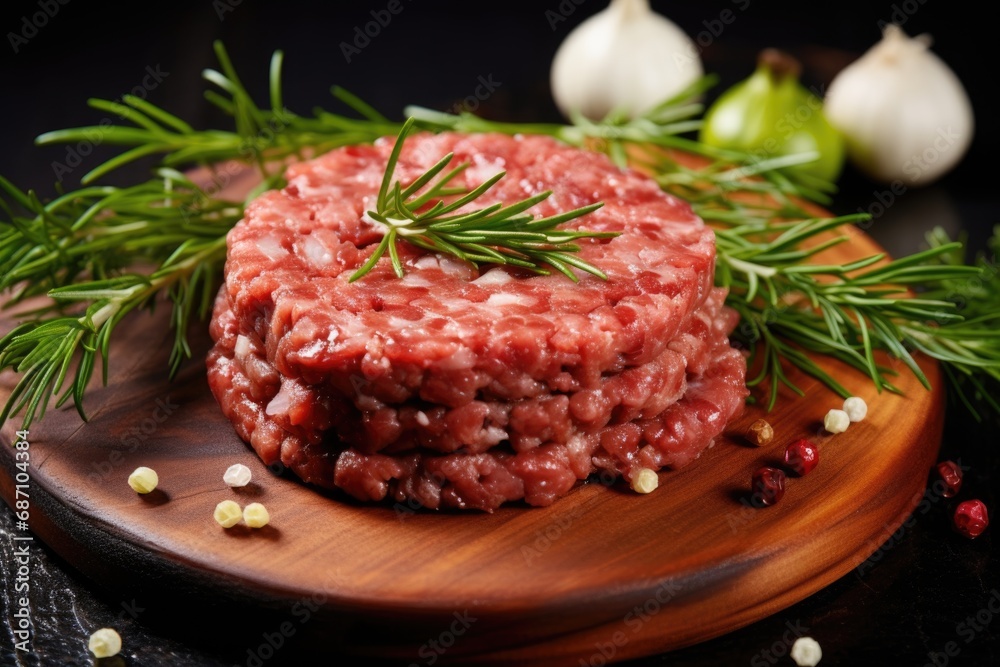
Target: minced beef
466 387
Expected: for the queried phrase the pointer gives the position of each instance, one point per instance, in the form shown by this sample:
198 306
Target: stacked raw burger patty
464 387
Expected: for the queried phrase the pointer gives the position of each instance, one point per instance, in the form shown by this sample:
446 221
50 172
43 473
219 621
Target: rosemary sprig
496 234
970 348
789 306
266 137
75 250
89 250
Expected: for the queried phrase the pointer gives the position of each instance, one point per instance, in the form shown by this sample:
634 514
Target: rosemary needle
497 234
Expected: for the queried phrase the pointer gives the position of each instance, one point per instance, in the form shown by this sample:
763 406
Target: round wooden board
603 573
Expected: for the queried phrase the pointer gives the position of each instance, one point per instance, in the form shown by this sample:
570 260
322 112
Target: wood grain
603 573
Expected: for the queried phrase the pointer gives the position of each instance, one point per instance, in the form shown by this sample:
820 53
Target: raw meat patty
484 480
463 387
316 413
444 332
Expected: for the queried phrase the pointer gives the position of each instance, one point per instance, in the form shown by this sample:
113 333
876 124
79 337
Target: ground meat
484 480
316 412
445 332
463 387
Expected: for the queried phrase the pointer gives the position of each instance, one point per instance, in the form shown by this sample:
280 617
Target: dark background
906 607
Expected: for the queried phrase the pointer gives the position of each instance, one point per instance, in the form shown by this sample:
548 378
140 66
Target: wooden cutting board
602 575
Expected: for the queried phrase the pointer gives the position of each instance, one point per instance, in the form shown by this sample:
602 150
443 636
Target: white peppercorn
105 643
806 652
856 408
143 479
228 513
836 421
237 475
255 515
645 480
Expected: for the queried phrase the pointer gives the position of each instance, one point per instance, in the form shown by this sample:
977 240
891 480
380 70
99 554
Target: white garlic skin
624 58
903 113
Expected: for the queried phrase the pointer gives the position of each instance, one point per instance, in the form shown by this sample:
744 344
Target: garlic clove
626 58
903 113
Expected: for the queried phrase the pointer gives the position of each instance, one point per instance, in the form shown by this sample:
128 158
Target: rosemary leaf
497 234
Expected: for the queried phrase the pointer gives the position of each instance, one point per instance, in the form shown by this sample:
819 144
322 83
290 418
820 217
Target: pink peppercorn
768 486
951 475
801 456
971 518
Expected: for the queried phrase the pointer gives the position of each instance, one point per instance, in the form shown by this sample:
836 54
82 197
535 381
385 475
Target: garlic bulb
625 58
902 111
